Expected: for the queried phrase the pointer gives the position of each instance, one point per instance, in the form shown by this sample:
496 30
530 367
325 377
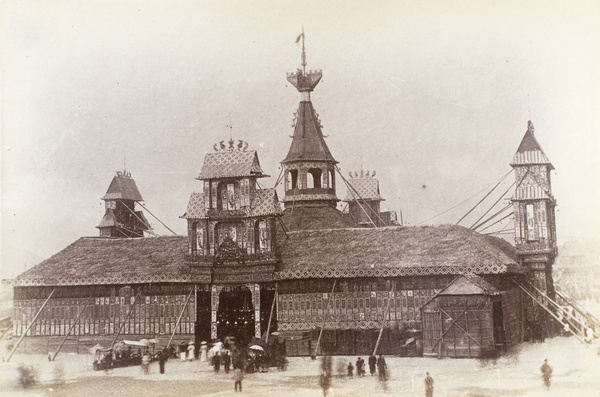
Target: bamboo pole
179 318
30 325
271 315
126 318
70 329
385 315
323 325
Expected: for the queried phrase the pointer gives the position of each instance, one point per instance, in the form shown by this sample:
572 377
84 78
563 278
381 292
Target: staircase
573 318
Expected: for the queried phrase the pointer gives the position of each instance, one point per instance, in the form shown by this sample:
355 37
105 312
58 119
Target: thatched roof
96 260
385 252
393 251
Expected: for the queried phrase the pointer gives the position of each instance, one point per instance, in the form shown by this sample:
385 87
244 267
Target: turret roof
530 152
123 187
308 142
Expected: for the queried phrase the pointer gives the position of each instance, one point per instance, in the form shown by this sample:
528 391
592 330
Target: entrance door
235 316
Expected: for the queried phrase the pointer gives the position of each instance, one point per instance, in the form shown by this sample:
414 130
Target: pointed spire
530 151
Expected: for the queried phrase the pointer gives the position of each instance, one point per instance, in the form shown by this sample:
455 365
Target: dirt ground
576 373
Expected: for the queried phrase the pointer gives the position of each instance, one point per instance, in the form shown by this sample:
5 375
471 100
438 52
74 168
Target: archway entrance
235 315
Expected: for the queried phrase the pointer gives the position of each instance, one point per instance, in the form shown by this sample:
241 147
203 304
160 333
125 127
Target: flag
300 36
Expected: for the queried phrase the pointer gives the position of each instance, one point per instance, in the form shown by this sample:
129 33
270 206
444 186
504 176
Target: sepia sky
433 95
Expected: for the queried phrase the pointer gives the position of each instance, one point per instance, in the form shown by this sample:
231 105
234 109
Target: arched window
293 179
315 180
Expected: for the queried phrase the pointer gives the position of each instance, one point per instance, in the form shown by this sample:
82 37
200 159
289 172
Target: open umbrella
257 347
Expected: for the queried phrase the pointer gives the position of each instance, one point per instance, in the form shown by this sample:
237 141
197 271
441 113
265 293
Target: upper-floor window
314 178
292 179
530 231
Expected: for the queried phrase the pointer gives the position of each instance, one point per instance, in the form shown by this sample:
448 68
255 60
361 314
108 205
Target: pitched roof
96 260
469 284
393 251
123 187
231 163
386 252
366 188
308 142
529 151
196 208
265 203
108 220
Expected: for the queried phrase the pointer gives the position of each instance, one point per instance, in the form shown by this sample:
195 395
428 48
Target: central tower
309 166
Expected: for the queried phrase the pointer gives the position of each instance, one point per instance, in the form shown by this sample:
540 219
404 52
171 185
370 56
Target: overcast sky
434 96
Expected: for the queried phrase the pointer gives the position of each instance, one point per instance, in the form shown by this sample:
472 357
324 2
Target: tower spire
303 52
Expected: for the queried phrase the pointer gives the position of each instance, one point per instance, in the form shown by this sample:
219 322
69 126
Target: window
292 179
530 222
314 181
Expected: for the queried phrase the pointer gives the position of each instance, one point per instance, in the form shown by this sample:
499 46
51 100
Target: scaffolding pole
126 318
385 315
30 325
179 318
324 314
271 315
69 333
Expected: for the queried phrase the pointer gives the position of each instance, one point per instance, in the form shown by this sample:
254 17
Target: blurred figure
372 364
428 385
360 367
238 376
381 367
203 352
546 373
146 363
161 361
350 370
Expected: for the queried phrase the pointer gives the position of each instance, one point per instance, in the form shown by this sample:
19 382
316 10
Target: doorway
235 315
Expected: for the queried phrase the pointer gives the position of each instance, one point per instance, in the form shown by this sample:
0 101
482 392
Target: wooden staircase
570 315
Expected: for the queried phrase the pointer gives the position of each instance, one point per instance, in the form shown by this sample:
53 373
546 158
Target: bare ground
576 373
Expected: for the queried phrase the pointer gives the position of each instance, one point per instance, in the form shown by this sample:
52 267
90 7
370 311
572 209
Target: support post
179 318
126 318
271 315
69 332
385 315
30 325
323 325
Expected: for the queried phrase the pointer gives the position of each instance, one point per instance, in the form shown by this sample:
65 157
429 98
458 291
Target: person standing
350 370
226 361
546 373
161 361
203 352
182 350
217 362
191 351
381 367
372 364
360 367
238 376
428 385
146 363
